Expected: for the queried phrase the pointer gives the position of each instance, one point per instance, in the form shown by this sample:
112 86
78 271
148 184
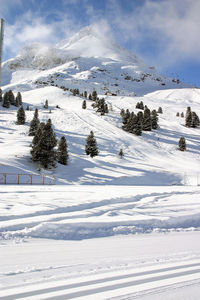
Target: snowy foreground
148 245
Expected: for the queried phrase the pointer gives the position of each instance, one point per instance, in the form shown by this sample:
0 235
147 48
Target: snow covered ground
148 243
110 228
152 159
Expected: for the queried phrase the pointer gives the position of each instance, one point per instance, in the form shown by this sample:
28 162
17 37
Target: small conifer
91 145
160 111
84 104
121 153
34 124
62 153
6 101
182 144
21 117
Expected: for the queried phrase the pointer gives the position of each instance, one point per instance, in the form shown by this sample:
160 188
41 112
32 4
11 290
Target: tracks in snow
104 286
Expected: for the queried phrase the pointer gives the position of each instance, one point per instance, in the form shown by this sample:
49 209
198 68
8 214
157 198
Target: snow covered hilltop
87 61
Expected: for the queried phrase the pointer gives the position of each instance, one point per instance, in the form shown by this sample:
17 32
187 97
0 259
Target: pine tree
177 114
11 97
44 151
84 104
154 119
46 105
136 125
34 124
38 134
141 105
182 115
121 153
126 117
182 144
146 123
90 97
21 117
195 120
137 105
28 107
160 111
62 153
91 145
6 101
188 117
19 98
94 95
85 94
122 112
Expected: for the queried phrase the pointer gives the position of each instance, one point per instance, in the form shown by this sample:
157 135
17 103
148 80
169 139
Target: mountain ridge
86 61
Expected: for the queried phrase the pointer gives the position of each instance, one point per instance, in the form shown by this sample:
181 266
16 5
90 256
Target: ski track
149 204
103 286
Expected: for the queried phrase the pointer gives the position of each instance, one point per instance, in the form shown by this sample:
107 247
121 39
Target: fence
14 178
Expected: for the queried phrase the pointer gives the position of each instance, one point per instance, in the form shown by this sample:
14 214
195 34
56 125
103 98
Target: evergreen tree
21 117
46 105
122 112
19 98
85 94
121 153
182 144
136 125
94 95
84 104
160 111
62 153
195 120
177 114
140 116
137 105
182 115
38 134
90 97
1 95
154 119
106 108
44 151
141 105
146 123
91 145
6 101
11 97
126 117
34 124
28 107
188 117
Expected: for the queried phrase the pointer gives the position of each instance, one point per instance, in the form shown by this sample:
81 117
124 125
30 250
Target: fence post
31 178
4 178
18 178
43 179
54 179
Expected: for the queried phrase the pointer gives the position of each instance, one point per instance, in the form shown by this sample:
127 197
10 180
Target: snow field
152 159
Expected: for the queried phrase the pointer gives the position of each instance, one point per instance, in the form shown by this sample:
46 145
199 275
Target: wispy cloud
171 27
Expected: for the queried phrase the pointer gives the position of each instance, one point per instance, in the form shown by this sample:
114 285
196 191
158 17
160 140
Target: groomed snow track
106 286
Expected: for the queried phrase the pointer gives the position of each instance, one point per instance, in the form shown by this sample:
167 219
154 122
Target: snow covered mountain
87 61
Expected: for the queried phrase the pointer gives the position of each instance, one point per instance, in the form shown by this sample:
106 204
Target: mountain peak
91 42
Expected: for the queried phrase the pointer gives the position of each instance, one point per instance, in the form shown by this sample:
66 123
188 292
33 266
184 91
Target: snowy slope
87 61
152 159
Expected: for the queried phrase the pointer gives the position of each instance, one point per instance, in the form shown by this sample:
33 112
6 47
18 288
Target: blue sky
165 33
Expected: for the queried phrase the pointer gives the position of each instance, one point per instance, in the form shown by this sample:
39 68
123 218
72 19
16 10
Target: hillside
152 159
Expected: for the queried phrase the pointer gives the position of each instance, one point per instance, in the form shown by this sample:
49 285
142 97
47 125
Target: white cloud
173 25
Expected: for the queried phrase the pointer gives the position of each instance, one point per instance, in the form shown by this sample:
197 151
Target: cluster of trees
136 123
140 105
43 144
101 106
180 114
191 119
8 98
